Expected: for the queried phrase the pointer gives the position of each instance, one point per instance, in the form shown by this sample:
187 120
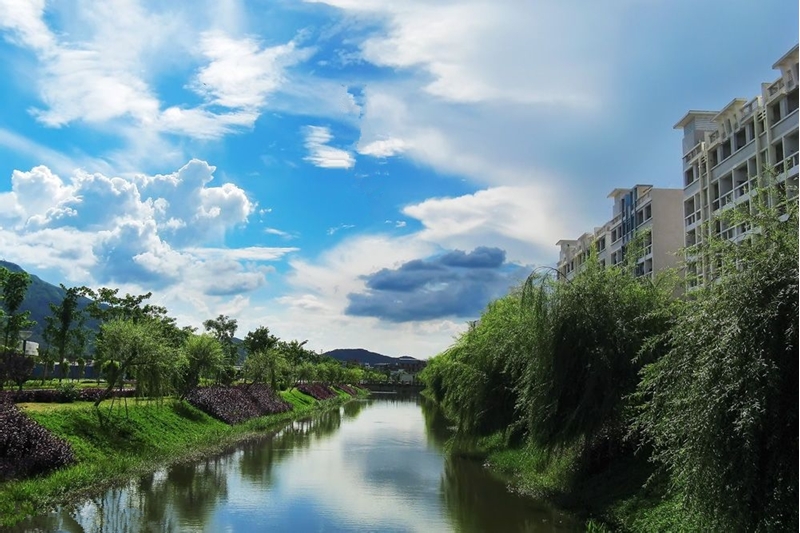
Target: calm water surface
372 465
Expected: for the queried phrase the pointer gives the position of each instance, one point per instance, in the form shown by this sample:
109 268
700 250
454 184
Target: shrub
26 448
67 392
238 403
318 391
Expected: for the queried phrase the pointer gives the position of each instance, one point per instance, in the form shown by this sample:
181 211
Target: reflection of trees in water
353 408
194 489
436 423
258 456
478 502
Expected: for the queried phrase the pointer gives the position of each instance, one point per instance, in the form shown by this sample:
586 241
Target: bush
238 403
318 391
26 448
67 392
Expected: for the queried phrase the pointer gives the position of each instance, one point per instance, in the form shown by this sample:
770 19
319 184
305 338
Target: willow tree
589 337
720 408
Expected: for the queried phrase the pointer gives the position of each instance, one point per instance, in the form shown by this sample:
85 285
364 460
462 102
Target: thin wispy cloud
321 154
341 227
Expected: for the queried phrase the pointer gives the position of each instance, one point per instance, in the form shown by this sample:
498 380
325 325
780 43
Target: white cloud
250 253
485 51
322 155
383 148
150 230
332 231
239 73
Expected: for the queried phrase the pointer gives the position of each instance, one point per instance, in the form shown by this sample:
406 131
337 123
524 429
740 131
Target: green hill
38 299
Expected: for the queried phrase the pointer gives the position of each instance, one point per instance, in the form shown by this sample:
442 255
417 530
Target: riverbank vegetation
612 396
158 392
85 449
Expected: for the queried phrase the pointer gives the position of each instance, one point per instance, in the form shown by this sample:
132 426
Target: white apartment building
725 153
635 210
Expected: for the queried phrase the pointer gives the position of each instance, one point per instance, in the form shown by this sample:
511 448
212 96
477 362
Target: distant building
641 208
410 364
725 153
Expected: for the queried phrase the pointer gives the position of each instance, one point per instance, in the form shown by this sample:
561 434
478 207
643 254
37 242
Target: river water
371 465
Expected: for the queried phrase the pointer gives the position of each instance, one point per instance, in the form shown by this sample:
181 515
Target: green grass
111 446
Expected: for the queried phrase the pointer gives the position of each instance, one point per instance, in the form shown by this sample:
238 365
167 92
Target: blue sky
358 173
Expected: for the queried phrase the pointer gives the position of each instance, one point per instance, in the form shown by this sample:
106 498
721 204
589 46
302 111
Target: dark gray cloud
455 284
480 257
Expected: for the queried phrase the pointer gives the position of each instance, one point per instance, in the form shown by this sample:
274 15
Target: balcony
741 190
785 125
749 108
723 200
713 137
694 218
775 88
788 165
644 199
697 150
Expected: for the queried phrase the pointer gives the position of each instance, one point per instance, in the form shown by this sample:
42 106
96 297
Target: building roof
691 115
734 105
791 54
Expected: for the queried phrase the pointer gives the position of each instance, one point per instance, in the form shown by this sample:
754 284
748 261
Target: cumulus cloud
455 284
320 154
156 231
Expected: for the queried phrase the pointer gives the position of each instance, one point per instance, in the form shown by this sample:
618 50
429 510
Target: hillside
38 299
360 355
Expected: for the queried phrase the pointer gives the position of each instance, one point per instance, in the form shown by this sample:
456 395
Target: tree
259 340
265 365
720 407
64 330
14 285
201 356
224 328
127 346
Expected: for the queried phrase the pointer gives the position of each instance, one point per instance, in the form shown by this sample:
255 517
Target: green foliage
14 286
64 330
223 328
266 366
589 339
720 407
201 356
140 351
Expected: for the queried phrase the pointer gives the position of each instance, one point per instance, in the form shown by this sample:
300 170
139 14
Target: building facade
726 152
641 209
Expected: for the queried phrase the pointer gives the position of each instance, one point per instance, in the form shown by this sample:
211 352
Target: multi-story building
726 153
640 209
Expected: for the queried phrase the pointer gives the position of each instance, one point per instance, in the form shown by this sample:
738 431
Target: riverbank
626 495
113 445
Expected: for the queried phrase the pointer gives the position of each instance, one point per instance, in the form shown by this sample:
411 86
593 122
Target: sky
355 173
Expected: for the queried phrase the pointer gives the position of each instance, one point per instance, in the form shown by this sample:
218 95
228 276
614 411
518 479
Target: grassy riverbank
617 498
113 445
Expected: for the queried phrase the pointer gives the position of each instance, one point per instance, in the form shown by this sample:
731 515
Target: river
370 465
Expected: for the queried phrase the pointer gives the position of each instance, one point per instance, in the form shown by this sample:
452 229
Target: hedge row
237 403
26 448
62 395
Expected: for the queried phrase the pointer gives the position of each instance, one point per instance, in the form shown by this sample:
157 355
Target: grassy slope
110 447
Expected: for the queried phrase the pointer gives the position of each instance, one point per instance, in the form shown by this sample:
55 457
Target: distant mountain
38 299
364 356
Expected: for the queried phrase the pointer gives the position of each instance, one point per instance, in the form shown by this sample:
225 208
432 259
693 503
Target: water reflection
368 466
